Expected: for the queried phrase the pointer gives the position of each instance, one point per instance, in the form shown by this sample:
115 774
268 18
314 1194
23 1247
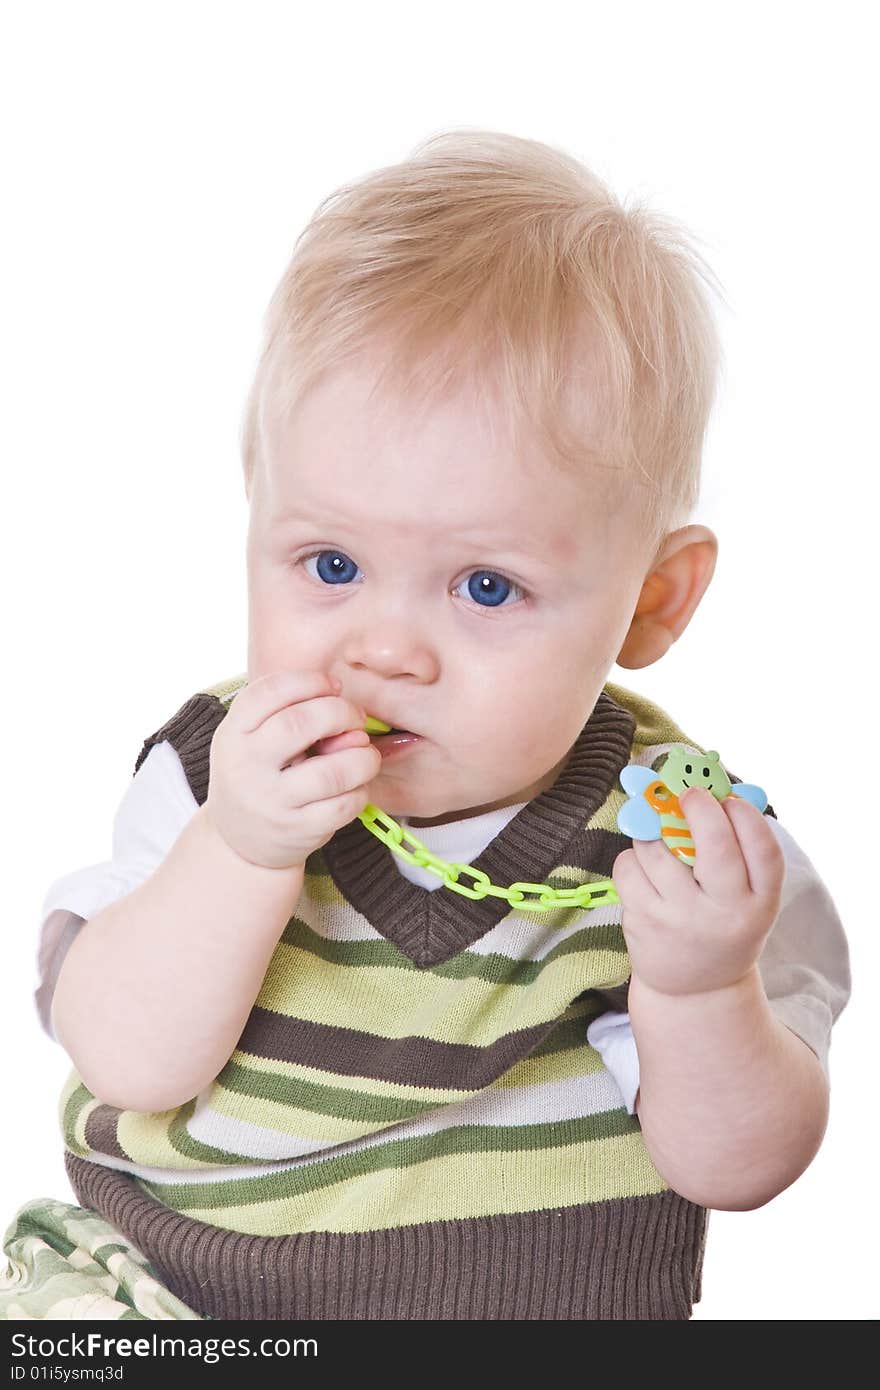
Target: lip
389 744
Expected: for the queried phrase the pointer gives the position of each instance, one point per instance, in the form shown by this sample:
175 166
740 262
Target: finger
333 774
762 852
633 886
671 879
296 729
260 699
352 738
719 867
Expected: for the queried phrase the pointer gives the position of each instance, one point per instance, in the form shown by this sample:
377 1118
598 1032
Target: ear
670 595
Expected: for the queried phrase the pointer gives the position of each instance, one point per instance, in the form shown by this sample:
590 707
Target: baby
315 1076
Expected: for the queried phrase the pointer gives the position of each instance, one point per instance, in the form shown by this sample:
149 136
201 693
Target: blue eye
486 587
336 570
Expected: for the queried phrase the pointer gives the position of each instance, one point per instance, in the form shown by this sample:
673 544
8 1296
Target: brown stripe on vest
406 1061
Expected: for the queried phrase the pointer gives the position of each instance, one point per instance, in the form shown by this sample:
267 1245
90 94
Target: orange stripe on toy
660 798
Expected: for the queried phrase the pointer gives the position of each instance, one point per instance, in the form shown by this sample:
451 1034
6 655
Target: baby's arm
733 1122
732 1104
155 990
804 967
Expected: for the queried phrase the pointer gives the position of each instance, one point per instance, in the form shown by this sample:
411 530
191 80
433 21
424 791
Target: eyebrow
497 542
293 518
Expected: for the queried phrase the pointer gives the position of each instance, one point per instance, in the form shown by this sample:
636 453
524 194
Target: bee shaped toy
652 810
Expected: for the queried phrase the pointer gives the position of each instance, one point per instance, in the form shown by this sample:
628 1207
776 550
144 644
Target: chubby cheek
517 722
277 644
545 717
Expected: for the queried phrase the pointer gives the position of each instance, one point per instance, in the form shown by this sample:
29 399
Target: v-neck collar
429 927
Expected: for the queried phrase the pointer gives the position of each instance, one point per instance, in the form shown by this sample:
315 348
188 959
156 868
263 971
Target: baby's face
475 598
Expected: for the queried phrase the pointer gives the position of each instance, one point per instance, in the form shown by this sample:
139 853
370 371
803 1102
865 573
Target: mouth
380 728
388 738
394 742
689 784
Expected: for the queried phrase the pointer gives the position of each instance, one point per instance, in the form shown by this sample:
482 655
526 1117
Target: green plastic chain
392 834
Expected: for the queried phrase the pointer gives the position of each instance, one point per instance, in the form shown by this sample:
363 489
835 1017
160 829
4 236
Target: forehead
451 463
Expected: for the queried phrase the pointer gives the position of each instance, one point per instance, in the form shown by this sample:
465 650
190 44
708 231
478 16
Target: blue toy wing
756 795
637 819
634 778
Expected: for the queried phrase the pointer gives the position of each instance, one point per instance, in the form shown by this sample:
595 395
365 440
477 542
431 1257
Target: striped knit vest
413 1124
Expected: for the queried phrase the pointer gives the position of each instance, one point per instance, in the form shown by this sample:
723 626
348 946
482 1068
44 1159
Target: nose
392 648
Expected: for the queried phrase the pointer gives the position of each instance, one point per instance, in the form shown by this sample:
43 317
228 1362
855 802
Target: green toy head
683 769
376 726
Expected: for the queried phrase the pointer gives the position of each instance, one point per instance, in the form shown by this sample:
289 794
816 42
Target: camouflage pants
66 1262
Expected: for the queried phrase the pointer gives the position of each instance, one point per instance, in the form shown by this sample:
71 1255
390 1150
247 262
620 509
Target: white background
159 162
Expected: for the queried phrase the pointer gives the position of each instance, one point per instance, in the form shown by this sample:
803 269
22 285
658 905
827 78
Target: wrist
286 877
746 985
271 890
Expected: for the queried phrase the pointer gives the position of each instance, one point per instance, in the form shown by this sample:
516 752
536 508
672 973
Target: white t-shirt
804 965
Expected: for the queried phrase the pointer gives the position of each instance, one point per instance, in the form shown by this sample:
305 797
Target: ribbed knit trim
190 732
430 928
624 1259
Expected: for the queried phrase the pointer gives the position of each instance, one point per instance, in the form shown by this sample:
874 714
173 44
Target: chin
396 806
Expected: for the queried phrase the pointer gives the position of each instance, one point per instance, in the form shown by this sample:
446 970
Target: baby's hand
272 803
692 930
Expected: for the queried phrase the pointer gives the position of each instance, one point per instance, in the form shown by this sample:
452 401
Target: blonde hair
506 261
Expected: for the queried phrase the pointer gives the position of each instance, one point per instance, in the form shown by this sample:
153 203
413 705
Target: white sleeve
804 968
805 963
612 1037
156 806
